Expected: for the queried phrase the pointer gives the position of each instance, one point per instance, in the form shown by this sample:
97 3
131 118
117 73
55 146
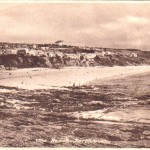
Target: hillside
121 58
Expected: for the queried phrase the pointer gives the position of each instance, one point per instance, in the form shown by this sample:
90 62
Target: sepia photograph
75 74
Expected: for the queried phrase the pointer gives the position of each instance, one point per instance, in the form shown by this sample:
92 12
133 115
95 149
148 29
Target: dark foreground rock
52 118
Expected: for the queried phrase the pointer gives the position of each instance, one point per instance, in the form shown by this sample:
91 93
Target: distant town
59 46
60 54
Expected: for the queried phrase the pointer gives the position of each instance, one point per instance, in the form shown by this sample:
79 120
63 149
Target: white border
72 1
77 1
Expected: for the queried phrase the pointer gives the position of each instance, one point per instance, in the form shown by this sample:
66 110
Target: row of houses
58 44
5 45
22 51
38 52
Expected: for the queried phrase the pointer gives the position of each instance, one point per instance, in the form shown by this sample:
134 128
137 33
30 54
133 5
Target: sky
113 25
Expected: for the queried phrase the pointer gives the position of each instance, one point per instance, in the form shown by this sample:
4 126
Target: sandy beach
44 78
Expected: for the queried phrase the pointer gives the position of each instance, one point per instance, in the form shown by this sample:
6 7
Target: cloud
120 25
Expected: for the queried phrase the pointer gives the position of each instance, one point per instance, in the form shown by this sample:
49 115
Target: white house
34 46
133 55
59 43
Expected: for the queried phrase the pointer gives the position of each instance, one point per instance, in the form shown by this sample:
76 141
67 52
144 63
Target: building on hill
24 46
43 46
133 55
34 46
59 43
18 45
